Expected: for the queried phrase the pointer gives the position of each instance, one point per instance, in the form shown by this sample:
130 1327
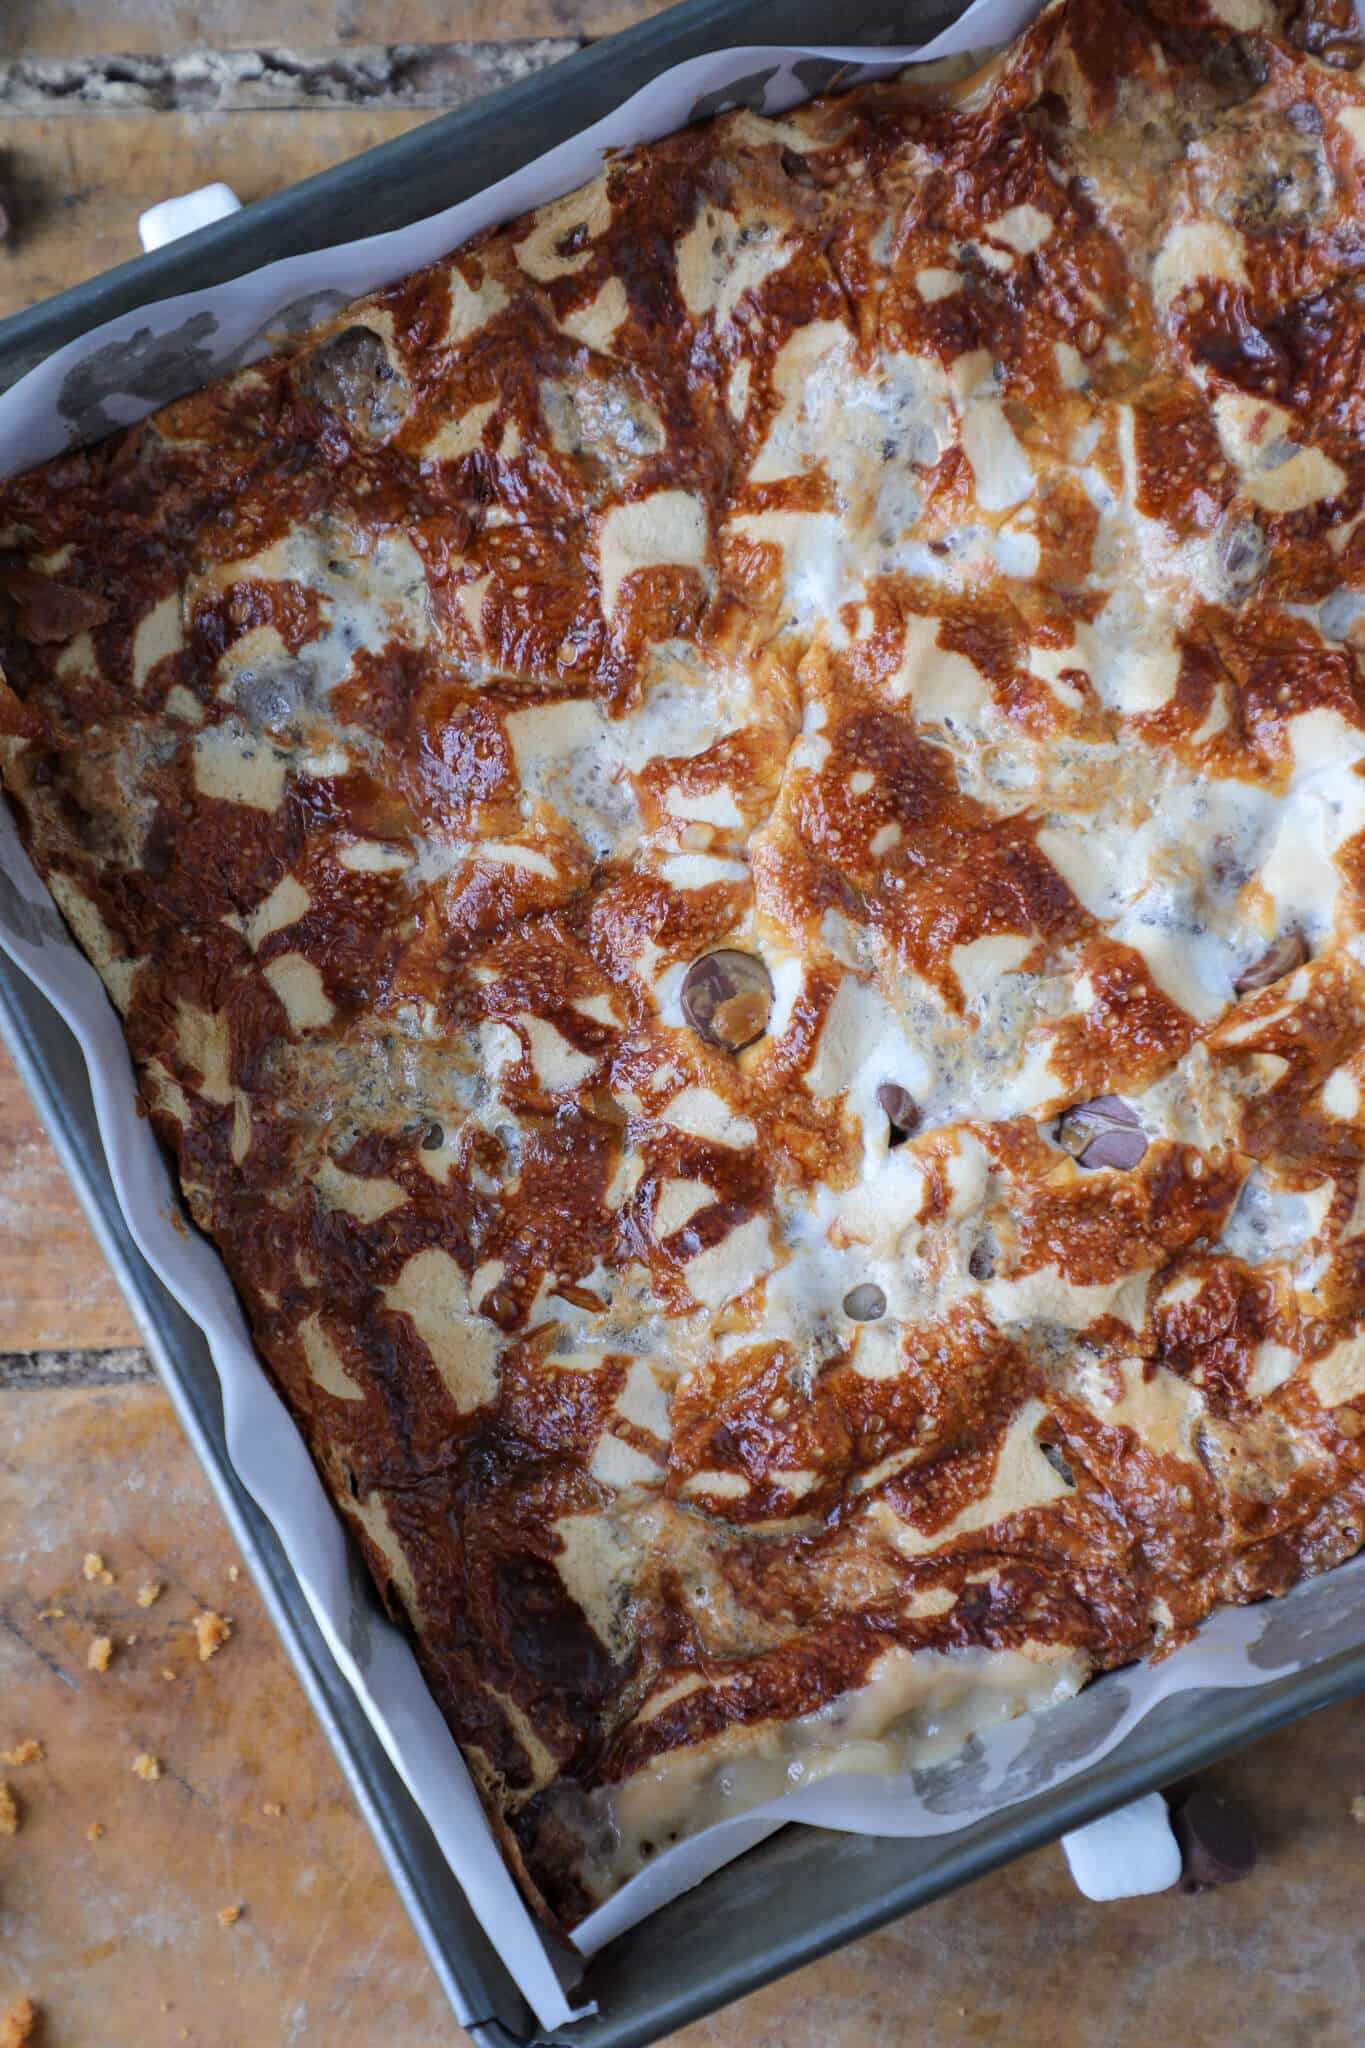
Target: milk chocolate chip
1216 1841
727 998
1103 1132
1288 952
901 1110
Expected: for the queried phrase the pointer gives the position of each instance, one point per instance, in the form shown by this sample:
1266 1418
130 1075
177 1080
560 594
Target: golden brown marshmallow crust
916 544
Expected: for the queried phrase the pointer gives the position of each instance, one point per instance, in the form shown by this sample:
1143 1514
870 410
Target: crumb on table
94 1567
21 2026
273 1810
28 1752
9 1811
146 1767
149 1592
1358 1809
51 1614
166 1672
211 1632
98 1655
228 1916
94 1831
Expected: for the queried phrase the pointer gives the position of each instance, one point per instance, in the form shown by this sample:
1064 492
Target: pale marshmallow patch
679 1200
715 269
1021 228
287 902
701 1113
432 1292
160 632
299 986
540 253
596 323
558 1065
666 530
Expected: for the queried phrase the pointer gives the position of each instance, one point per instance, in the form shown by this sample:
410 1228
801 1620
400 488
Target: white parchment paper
115 375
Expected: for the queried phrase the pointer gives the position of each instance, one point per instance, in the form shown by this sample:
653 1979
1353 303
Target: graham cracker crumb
1358 1809
130 1640
228 1916
29 1752
211 1632
51 1614
98 1655
234 1572
149 1592
146 1767
94 1567
21 2026
273 1810
9 1811
167 1673
95 1830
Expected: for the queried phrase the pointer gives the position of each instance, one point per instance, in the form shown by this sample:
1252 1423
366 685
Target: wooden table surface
117 1892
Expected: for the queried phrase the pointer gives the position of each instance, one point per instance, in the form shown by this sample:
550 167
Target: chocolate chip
865 1303
351 374
1105 1131
981 1264
433 1137
727 998
1119 1149
1288 952
901 1110
1053 1454
1242 552
1216 1841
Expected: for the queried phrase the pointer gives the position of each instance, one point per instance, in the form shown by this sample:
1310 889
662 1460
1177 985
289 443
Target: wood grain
83 27
79 186
118 1940
101 1933
55 1290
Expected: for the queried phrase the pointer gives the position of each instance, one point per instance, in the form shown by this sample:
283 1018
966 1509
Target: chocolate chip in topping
433 1137
1216 1841
1242 552
865 1303
351 374
1105 1131
1289 951
1053 1454
901 1110
727 998
1121 1149
981 1264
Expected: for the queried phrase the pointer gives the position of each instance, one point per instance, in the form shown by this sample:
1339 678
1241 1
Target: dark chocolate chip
1105 1131
1288 952
727 998
433 1137
900 1109
351 374
1216 1841
865 1303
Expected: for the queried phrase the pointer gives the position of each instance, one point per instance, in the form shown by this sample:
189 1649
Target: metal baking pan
804 1890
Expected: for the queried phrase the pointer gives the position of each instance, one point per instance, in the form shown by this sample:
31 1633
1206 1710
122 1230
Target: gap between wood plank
29 1370
275 80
